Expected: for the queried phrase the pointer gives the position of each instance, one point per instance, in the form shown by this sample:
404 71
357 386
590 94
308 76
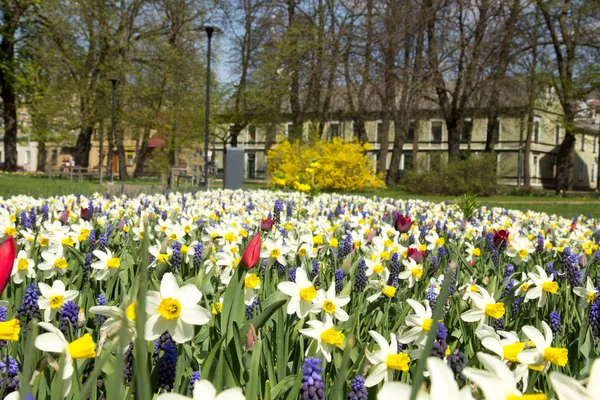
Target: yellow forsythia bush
335 165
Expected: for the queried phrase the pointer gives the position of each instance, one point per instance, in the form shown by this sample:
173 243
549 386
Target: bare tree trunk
140 160
384 143
41 157
121 155
527 150
81 155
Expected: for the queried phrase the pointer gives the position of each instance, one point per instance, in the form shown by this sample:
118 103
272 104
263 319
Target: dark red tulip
500 238
85 214
8 252
252 253
402 223
266 224
415 254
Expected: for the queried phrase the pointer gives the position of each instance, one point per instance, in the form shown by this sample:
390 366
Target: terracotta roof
157 140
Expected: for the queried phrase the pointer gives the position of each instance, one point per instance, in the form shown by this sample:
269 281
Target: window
497 129
411 132
582 142
536 167
252 133
594 140
334 130
408 161
436 131
379 133
593 173
288 129
557 139
27 157
1 156
435 161
467 130
536 130
355 131
130 159
54 157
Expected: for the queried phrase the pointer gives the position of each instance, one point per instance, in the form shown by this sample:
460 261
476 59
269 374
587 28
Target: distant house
429 134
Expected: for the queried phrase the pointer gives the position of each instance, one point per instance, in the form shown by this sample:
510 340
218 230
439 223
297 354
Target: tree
14 15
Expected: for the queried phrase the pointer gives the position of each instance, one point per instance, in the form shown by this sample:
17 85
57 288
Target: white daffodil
204 390
275 250
301 292
507 346
326 336
543 285
469 289
157 254
113 324
498 382
386 360
483 305
330 303
526 283
22 268
443 385
381 286
175 310
434 240
567 388
418 323
251 284
54 262
588 293
107 265
520 249
543 354
472 252
413 271
54 342
53 297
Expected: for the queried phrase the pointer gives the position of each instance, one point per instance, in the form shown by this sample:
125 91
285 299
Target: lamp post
209 29
112 128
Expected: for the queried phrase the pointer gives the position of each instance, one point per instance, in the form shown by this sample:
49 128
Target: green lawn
11 185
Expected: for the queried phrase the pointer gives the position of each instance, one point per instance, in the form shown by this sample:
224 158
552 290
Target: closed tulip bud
250 338
64 217
266 224
81 318
583 261
402 224
370 235
8 252
252 253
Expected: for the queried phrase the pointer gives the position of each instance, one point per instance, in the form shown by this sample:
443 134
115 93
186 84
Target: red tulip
64 217
8 252
402 223
85 214
415 254
266 224
252 253
500 238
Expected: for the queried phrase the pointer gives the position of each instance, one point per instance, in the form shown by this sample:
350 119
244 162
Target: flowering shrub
226 295
324 165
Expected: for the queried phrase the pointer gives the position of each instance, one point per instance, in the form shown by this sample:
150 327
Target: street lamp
209 29
112 128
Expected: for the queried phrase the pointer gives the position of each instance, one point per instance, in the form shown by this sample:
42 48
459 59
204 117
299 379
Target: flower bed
271 295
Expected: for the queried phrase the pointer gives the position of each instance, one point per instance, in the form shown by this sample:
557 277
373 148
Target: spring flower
301 292
484 305
434 240
54 342
275 250
53 298
313 387
325 336
418 323
413 271
498 383
174 310
386 360
22 268
543 285
330 303
107 265
542 355
500 238
472 252
568 388
520 248
588 293
8 251
252 253
402 223
112 325
443 385
204 390
251 284
54 262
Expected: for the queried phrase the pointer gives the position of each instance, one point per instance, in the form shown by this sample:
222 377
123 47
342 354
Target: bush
335 165
475 174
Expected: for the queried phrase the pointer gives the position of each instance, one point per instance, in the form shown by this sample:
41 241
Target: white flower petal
168 286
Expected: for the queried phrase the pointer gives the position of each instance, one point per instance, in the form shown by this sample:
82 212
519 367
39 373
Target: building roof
157 140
